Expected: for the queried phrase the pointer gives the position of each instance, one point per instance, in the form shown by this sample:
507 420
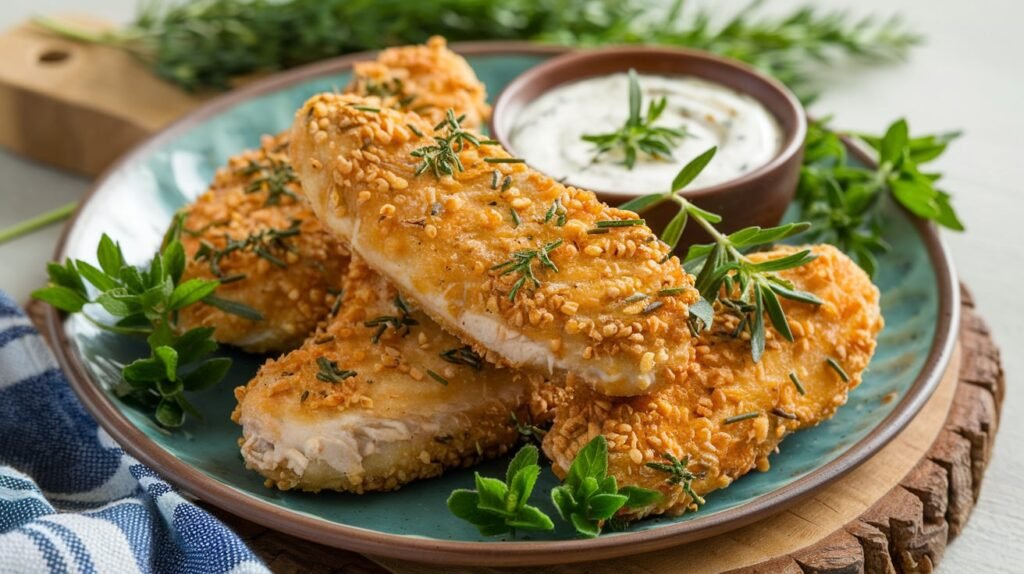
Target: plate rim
451 552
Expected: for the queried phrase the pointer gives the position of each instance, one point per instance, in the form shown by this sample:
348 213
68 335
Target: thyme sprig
146 301
638 134
724 274
522 263
442 158
264 243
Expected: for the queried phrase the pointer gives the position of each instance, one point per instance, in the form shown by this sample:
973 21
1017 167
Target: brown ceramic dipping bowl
759 197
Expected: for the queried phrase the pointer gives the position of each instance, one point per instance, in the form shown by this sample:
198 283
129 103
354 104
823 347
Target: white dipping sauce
548 131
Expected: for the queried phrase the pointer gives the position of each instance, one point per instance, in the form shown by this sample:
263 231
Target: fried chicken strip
289 275
543 275
729 414
255 232
378 397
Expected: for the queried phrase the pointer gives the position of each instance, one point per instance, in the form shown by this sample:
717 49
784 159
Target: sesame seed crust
697 418
392 421
292 293
443 241
426 79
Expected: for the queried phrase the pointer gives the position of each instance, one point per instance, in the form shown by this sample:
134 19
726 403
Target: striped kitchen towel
71 500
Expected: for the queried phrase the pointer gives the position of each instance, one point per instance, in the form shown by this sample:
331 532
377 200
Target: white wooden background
968 75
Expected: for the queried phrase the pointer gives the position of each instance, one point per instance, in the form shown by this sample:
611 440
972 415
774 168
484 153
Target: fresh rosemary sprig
678 473
329 371
724 275
275 175
442 158
638 134
400 322
463 356
263 243
522 263
842 201
207 43
146 302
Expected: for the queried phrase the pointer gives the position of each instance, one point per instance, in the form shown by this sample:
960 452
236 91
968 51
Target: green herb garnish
604 224
838 369
274 177
400 322
740 418
504 160
796 383
442 158
590 496
329 371
638 134
463 356
557 212
522 263
678 473
500 507
146 302
724 274
528 430
437 377
843 201
263 243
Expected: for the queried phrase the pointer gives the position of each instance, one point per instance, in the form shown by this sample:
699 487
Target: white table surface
968 75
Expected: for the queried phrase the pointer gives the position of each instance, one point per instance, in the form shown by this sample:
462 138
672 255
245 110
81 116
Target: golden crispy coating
277 258
427 79
697 418
369 402
258 191
470 249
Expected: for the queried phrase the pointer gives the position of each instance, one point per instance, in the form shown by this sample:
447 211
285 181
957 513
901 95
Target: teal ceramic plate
135 200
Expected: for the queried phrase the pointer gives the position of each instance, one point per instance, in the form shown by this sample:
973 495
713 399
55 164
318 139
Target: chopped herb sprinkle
504 160
463 356
796 383
672 291
620 223
437 377
743 417
636 297
838 369
783 414
329 371
652 307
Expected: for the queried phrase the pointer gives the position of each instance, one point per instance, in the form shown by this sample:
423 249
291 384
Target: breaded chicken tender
543 275
290 274
255 232
729 413
428 80
378 397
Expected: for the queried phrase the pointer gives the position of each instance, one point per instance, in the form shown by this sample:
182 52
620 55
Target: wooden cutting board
895 513
77 106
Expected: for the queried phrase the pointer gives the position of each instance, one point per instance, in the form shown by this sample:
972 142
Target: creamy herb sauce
547 133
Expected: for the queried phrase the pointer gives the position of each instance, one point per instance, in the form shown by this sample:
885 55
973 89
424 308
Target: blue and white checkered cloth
71 500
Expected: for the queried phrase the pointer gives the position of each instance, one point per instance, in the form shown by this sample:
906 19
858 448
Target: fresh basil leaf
565 503
61 297
65 276
591 462
522 485
174 260
493 494
194 344
527 456
893 143
116 306
169 389
531 518
169 413
109 255
638 497
604 506
584 526
169 358
144 371
98 278
207 374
